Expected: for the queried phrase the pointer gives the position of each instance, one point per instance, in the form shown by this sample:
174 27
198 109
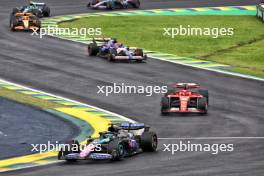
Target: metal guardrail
260 11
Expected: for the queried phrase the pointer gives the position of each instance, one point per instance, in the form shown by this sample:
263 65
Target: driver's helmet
27 9
130 135
119 45
114 40
123 133
111 43
113 128
102 135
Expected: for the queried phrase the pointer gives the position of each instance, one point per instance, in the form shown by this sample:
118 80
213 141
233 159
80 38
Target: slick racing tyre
204 93
117 150
15 10
138 52
136 4
93 49
38 13
110 5
165 105
111 55
12 25
149 141
202 105
93 2
46 12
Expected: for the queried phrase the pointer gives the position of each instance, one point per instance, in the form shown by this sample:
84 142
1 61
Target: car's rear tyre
165 105
139 52
93 49
12 25
117 150
110 5
204 93
37 13
15 10
93 2
46 12
202 105
149 141
111 55
137 4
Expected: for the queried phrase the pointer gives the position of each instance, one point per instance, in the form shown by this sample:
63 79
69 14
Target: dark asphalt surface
63 68
23 125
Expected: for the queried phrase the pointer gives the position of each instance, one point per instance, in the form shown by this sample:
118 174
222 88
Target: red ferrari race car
185 98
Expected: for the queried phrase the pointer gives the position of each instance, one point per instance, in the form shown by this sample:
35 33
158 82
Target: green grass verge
27 99
147 32
247 59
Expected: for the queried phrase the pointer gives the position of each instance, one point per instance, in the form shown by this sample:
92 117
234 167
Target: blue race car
113 4
118 142
113 51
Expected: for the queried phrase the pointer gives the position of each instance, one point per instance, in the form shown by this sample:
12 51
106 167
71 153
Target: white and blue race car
113 4
115 51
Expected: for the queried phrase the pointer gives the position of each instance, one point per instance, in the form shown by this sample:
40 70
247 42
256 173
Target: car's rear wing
23 14
38 3
187 85
133 126
101 39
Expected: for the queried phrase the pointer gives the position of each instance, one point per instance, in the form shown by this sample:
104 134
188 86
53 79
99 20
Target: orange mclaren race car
24 21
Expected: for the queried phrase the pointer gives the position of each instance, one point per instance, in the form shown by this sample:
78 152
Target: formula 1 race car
113 4
260 10
184 98
38 9
113 51
24 21
118 142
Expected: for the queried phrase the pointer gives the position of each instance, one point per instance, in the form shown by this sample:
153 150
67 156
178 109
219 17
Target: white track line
214 70
25 87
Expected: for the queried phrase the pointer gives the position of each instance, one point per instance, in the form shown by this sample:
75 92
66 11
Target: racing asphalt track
63 68
22 125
